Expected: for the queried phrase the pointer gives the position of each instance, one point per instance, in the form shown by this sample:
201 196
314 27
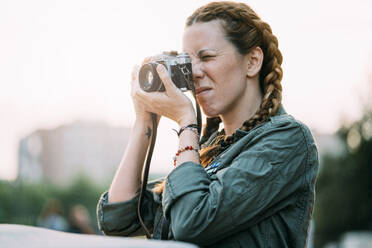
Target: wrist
187 120
143 122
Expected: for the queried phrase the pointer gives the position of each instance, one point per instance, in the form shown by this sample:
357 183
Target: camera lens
148 78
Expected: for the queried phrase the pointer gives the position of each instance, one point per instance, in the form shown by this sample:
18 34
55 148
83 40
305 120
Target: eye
206 57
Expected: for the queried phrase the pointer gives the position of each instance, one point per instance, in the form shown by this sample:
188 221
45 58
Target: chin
210 112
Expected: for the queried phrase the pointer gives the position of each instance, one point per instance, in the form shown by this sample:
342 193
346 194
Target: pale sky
64 60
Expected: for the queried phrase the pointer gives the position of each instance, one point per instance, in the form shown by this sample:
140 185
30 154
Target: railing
21 236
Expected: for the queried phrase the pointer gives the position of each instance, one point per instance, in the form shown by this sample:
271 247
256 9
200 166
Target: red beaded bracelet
186 148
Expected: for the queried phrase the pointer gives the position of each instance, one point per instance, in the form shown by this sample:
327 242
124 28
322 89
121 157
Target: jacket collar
240 133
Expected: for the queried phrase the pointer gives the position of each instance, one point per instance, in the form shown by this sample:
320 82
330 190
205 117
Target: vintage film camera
178 66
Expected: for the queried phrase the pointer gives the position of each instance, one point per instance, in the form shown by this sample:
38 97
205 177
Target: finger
146 60
170 87
147 104
135 70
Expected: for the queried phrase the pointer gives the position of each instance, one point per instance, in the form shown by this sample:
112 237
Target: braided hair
245 30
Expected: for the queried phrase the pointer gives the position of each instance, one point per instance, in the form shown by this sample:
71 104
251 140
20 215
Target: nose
197 72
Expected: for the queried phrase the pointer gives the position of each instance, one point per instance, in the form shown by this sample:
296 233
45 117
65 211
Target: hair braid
211 126
270 78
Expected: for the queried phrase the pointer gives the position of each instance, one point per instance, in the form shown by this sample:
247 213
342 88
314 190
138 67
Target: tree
344 186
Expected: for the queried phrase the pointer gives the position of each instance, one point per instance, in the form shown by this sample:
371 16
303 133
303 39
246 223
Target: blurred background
66 113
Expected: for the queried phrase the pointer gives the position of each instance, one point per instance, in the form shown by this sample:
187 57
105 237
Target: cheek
215 71
227 78
226 71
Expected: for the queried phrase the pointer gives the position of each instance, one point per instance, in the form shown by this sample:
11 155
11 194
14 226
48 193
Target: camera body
179 69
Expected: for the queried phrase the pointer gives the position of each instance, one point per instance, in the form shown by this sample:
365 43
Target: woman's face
219 71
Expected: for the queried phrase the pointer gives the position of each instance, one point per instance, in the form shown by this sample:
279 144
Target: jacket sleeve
257 184
121 219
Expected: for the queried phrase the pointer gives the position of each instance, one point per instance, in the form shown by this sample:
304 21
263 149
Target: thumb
170 87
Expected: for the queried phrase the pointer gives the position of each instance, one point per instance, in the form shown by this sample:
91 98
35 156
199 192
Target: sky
62 61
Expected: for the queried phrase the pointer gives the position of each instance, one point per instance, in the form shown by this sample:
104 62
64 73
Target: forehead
204 35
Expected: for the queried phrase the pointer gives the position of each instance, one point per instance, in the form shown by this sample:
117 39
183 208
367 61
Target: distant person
80 221
51 216
250 184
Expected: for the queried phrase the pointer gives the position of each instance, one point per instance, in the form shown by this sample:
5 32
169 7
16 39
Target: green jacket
257 193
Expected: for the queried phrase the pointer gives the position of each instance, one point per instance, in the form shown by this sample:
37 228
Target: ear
254 62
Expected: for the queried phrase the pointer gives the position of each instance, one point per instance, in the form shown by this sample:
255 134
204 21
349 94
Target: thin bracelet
194 130
184 127
186 148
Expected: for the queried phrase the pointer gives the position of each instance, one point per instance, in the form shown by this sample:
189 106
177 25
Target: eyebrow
205 50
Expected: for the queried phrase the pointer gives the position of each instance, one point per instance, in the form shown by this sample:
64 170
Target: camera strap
165 221
146 174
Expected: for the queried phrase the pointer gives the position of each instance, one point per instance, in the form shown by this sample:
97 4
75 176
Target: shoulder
280 137
281 128
279 149
291 130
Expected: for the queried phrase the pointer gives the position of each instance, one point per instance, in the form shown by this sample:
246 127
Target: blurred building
95 150
59 155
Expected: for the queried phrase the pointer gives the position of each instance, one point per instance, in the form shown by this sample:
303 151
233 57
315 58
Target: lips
201 90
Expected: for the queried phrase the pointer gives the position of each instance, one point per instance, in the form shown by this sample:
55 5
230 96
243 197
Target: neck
243 110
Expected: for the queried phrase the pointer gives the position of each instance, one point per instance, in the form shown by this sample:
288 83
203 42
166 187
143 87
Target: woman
250 184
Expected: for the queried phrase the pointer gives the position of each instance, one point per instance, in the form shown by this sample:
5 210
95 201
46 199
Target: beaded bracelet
186 148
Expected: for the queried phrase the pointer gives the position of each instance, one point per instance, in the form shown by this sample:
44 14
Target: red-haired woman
250 184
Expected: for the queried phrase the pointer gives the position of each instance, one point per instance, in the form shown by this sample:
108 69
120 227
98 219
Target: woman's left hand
171 103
